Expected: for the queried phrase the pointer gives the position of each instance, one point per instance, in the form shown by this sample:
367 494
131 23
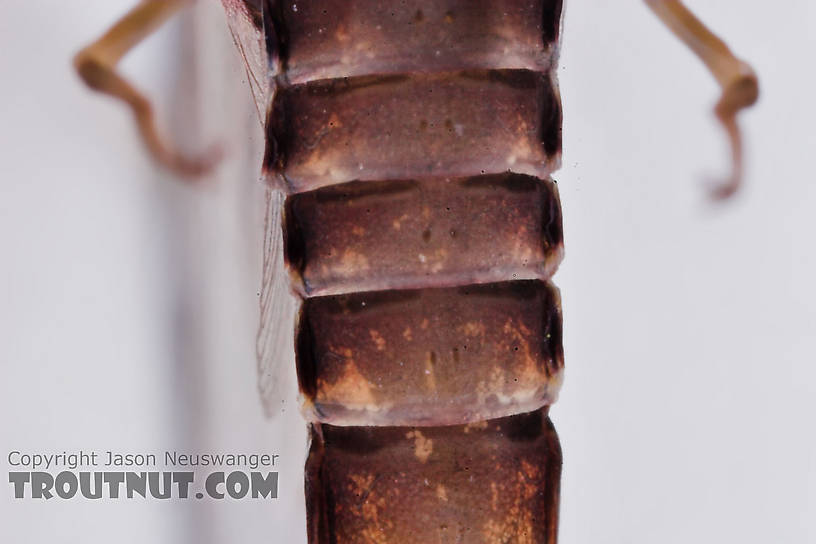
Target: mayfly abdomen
415 143
421 227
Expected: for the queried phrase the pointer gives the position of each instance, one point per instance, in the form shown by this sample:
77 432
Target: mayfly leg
96 65
737 79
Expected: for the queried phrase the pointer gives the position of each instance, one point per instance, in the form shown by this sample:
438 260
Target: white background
128 309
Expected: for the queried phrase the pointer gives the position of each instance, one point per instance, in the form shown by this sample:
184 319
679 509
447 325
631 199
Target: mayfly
415 143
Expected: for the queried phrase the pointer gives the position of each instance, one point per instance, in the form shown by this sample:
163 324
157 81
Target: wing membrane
245 19
274 345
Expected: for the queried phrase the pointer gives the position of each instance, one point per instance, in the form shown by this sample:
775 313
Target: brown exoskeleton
415 143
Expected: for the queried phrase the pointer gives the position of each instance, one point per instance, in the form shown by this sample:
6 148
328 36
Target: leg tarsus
738 81
741 93
96 65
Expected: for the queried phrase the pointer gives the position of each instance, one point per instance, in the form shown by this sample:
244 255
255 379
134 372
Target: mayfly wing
274 349
274 352
245 20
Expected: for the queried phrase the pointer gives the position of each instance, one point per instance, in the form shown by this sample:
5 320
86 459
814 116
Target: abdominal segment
418 125
492 481
430 356
427 232
334 39
415 142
